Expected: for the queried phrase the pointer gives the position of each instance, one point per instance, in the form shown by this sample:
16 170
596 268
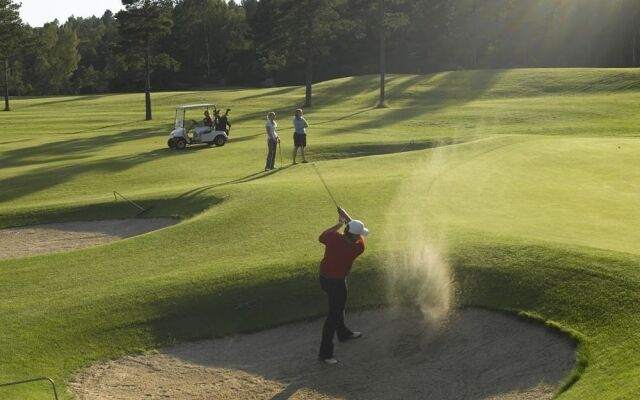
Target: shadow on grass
48 176
244 179
72 149
341 152
246 138
244 305
62 101
183 207
450 90
363 150
106 127
271 93
323 97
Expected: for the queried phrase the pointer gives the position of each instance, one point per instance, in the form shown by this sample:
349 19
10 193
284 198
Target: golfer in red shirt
341 249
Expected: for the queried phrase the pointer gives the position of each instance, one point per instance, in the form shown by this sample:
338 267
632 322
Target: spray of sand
417 272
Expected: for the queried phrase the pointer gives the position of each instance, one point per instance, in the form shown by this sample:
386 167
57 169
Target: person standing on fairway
341 249
272 140
299 135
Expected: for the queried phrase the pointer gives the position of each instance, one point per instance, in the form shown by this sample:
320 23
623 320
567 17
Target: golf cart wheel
171 143
219 140
180 143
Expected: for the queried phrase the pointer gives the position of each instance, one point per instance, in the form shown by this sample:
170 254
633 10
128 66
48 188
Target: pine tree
141 24
308 26
10 34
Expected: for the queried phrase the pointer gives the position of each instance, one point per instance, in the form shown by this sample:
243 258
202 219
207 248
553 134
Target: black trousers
271 156
336 290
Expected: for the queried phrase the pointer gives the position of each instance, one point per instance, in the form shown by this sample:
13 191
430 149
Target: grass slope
530 175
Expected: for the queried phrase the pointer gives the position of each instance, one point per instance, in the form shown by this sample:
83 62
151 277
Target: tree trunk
382 100
309 78
147 86
635 44
6 85
206 39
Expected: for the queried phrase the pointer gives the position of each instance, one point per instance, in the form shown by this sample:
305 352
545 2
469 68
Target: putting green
578 191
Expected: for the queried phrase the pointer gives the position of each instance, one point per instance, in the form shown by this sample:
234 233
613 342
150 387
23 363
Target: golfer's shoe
330 361
354 335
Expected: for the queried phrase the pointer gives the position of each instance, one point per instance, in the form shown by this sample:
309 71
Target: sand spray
417 272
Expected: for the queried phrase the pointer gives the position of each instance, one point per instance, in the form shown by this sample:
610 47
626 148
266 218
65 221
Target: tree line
182 44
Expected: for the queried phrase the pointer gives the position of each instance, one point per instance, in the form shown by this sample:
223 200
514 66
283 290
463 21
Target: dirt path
55 238
481 355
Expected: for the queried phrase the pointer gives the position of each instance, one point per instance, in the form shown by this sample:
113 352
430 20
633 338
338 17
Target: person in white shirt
272 140
299 135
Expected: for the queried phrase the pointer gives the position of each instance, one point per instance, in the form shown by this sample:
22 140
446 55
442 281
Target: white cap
357 228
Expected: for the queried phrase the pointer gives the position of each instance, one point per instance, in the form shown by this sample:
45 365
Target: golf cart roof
189 106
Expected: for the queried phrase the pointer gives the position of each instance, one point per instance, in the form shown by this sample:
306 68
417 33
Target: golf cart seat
202 129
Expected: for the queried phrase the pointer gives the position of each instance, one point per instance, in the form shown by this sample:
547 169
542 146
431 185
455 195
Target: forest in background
207 43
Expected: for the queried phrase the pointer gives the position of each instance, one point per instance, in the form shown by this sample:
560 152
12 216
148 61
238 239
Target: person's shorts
300 140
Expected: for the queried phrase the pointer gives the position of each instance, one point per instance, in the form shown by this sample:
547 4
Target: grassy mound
530 177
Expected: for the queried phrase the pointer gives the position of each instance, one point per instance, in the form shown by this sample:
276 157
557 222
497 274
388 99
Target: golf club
280 149
325 185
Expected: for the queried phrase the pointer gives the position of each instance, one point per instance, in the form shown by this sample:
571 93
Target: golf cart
200 133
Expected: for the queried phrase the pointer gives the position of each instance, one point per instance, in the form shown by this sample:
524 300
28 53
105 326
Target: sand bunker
55 238
480 355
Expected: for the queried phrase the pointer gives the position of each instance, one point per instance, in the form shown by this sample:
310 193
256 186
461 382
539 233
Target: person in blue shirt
299 135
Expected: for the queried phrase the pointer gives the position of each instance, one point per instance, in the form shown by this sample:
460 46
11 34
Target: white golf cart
200 133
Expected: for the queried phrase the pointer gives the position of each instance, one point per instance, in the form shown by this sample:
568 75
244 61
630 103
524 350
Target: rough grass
530 175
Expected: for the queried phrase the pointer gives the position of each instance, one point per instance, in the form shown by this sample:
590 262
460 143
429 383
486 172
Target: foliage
10 25
57 57
210 34
306 28
10 34
141 24
271 41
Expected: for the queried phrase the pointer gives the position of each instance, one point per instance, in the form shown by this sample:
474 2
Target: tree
381 100
57 57
141 24
263 18
211 32
10 29
308 28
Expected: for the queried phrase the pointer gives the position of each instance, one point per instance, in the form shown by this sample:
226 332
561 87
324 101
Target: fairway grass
529 177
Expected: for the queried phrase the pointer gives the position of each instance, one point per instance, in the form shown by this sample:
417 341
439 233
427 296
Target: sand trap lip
481 355
65 236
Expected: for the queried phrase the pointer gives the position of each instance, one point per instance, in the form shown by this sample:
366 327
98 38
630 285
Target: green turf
531 176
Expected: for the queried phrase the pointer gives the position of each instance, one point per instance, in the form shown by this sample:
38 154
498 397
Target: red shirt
339 254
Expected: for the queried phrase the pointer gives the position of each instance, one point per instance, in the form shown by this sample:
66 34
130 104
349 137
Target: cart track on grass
479 355
66 236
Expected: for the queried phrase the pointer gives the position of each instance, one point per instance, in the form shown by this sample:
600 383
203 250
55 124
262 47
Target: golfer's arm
323 235
333 228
